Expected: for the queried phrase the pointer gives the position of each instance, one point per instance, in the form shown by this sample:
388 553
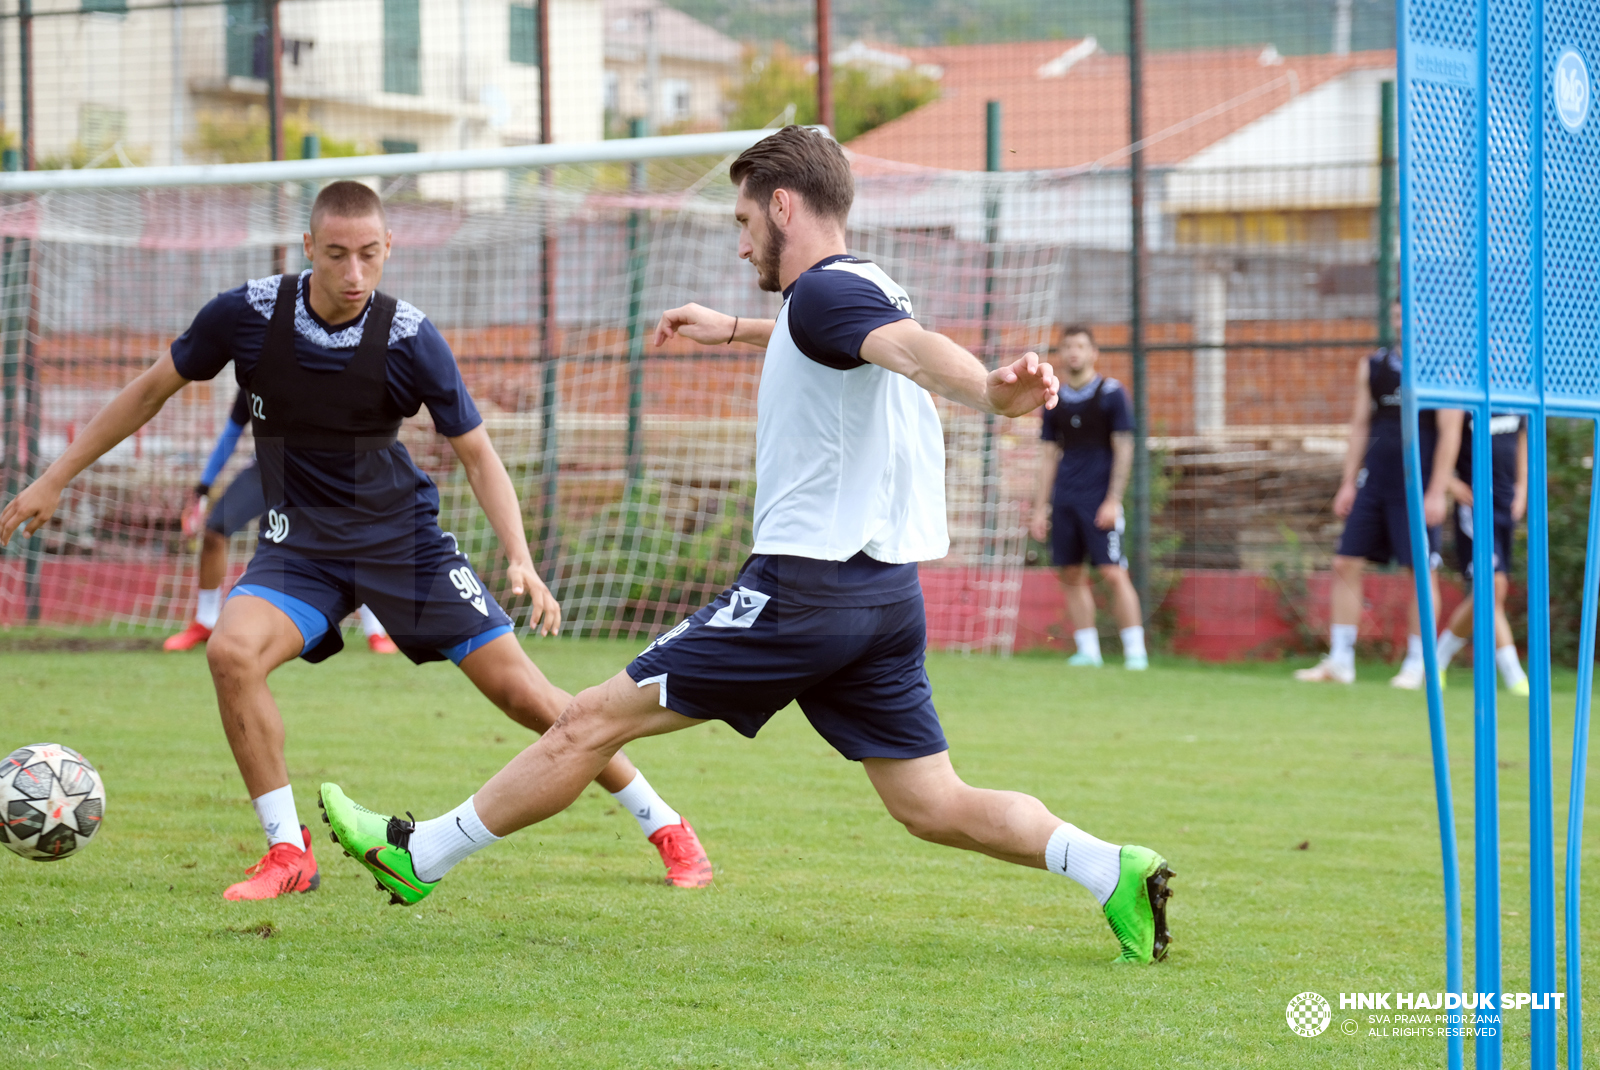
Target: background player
241 503
1509 437
1372 501
333 367
828 610
1083 471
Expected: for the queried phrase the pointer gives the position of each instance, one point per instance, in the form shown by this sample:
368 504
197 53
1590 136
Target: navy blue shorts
241 503
1074 537
1377 530
857 672
1461 525
434 606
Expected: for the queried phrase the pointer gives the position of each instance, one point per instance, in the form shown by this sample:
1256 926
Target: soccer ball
51 801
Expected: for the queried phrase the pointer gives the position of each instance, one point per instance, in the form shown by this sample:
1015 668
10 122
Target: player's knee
1074 576
214 542
230 656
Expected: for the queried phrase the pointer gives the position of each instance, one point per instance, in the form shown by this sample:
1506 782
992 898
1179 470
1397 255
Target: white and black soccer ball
51 802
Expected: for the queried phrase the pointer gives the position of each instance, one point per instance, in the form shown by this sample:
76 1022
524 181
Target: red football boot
381 644
191 637
283 869
687 864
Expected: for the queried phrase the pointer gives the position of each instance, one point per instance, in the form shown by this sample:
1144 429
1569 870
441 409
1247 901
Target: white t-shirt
849 456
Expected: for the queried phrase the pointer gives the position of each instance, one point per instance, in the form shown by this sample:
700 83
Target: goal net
545 267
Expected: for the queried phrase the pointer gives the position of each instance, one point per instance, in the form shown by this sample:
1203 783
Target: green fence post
991 236
637 255
1386 216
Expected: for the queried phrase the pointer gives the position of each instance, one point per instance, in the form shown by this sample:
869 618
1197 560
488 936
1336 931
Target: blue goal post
1500 254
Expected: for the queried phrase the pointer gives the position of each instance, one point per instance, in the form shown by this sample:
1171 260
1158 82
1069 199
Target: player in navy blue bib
1508 435
331 366
1372 501
241 504
1083 471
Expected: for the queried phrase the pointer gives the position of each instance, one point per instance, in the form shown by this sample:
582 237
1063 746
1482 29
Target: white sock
208 607
1088 641
275 810
647 808
1413 652
1510 666
438 844
1133 641
1093 863
1342 645
1448 647
369 622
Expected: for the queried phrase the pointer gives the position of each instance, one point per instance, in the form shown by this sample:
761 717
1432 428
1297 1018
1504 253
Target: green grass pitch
1300 821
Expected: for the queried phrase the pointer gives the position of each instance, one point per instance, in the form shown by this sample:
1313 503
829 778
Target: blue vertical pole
1449 862
1541 820
1580 768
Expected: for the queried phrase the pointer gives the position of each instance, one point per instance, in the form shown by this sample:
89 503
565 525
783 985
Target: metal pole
1141 401
25 70
991 236
1386 208
549 444
636 271
280 254
1580 769
825 64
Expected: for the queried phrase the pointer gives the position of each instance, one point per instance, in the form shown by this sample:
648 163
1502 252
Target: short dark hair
803 161
1077 328
347 200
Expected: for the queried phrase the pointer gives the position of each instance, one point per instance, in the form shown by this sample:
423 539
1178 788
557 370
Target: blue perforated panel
1571 193
1510 266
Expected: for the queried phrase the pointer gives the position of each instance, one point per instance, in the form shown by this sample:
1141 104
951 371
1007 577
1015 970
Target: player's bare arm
1519 497
710 327
936 363
1105 518
1355 448
1434 503
498 497
130 410
1043 487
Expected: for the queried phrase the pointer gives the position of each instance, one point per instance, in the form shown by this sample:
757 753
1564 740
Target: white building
187 84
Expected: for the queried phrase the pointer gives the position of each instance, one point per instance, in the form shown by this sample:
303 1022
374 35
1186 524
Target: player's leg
933 803
378 640
1068 552
1364 538
1457 631
1412 674
1505 654
409 859
241 503
1105 553
502 670
252 638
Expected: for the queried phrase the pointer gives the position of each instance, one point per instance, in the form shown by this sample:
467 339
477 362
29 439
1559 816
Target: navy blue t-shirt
830 315
1084 474
329 487
1504 431
1384 463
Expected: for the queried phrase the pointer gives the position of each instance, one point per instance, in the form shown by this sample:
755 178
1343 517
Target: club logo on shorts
741 611
467 585
277 528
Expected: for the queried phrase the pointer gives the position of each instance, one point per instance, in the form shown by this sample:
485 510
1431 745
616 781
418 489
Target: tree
241 137
861 99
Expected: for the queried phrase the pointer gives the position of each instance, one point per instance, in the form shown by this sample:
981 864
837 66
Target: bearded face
767 255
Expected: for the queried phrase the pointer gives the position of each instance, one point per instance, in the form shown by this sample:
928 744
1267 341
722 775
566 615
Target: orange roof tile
1082 117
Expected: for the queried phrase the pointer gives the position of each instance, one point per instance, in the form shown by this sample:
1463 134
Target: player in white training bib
828 610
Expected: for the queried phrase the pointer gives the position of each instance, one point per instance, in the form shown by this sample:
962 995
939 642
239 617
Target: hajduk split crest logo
1573 93
1308 1014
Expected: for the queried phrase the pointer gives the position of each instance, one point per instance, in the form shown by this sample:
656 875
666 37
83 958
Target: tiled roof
677 35
1054 119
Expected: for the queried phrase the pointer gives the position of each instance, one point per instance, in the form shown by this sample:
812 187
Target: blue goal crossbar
1500 254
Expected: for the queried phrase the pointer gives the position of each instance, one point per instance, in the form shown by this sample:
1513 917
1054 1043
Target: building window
674 100
524 34
247 42
110 7
393 145
613 89
402 47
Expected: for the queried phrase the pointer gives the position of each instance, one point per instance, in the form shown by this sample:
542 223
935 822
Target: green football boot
1137 909
377 841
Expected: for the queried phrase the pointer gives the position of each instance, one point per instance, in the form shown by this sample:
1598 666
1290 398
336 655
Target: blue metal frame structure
1500 253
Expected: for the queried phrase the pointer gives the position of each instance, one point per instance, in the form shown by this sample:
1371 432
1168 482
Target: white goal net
545 268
